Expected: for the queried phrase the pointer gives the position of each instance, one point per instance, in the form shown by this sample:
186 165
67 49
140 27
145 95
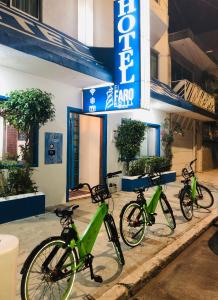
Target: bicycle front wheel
41 279
204 197
132 223
167 211
186 204
113 237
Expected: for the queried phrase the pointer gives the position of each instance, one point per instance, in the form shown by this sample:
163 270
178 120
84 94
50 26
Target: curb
137 279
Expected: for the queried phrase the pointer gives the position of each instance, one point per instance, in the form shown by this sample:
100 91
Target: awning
191 47
171 102
26 34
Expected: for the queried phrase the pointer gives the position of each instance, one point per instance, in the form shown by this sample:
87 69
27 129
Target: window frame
6 4
156 54
39 18
157 136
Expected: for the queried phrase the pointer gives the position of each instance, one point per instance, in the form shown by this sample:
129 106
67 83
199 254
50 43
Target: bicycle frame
152 205
86 243
193 188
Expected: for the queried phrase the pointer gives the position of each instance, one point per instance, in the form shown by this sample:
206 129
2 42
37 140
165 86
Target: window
151 144
154 64
31 7
11 142
179 72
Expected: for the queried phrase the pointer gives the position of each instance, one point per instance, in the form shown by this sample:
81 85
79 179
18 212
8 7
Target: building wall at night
90 22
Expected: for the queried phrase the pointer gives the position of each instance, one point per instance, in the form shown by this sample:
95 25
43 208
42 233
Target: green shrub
15 180
130 134
151 164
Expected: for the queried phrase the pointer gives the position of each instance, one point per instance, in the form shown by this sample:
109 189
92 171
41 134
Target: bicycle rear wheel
132 223
204 197
45 281
167 211
113 237
186 204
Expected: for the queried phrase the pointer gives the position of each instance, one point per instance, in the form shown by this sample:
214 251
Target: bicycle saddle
65 212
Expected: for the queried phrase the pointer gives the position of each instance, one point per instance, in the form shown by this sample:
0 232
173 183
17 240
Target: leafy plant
167 137
151 164
130 134
15 180
25 110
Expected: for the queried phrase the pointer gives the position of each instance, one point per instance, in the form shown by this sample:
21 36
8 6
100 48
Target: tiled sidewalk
33 230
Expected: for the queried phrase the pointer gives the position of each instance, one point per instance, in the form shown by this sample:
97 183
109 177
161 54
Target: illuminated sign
110 98
126 91
127 47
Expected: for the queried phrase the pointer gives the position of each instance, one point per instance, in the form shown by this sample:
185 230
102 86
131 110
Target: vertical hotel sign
131 88
127 75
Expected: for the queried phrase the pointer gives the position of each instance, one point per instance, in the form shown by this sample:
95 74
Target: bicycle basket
99 193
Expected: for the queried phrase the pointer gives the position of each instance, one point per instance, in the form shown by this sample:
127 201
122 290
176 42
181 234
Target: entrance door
86 159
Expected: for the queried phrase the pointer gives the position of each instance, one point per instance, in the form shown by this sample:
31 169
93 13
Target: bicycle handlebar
193 161
80 186
113 174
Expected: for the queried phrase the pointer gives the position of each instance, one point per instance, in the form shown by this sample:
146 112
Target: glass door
73 163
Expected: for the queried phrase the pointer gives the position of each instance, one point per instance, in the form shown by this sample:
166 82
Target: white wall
103 25
89 21
51 179
62 15
164 68
114 120
89 152
85 22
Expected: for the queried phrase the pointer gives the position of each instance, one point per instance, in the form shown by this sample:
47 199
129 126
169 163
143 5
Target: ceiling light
209 51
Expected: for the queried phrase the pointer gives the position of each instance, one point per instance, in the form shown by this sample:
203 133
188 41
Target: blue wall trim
11 210
3 98
63 50
129 185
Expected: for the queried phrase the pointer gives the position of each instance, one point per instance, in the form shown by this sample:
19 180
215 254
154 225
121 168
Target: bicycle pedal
98 279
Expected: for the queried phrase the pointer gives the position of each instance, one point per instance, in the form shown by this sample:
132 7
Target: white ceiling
193 53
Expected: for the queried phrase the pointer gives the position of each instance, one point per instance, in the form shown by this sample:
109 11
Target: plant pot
129 183
21 206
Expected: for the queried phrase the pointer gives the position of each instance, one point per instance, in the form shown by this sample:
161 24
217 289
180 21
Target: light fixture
209 51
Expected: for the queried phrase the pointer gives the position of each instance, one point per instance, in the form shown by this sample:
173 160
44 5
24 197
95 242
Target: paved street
33 230
191 276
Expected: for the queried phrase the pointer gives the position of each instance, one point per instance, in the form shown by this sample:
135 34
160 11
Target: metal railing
193 93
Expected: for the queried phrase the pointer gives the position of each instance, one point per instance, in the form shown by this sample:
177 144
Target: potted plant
149 165
25 110
130 135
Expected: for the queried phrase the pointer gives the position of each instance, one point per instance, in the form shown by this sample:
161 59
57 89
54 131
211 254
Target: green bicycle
193 193
137 215
49 271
